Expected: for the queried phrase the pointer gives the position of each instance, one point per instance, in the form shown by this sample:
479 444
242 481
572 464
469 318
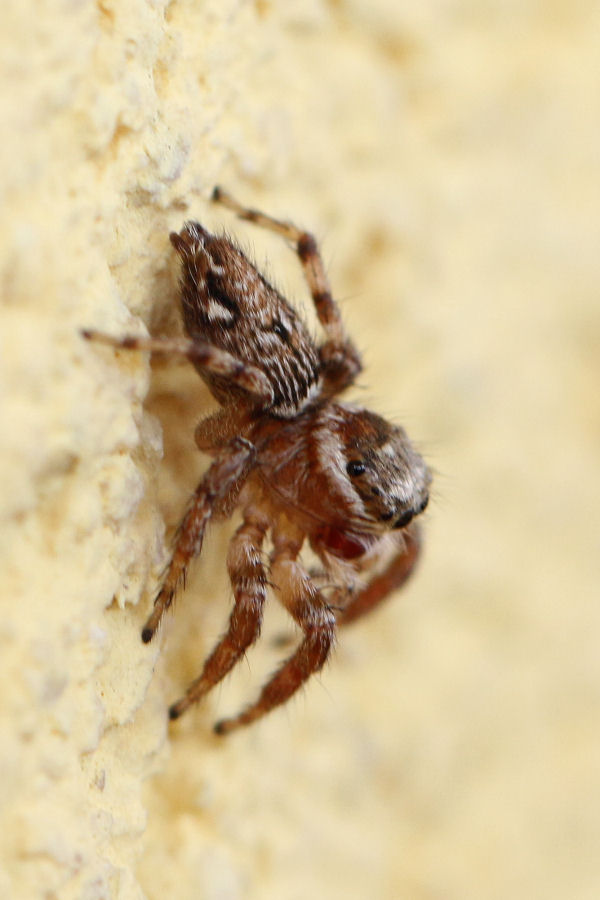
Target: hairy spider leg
393 577
201 353
316 619
249 583
340 358
230 465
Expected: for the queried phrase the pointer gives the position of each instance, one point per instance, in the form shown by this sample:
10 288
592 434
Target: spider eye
355 467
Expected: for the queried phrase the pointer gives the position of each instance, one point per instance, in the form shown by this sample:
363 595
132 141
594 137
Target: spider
298 463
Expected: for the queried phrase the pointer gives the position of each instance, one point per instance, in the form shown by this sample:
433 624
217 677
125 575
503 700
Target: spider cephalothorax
299 464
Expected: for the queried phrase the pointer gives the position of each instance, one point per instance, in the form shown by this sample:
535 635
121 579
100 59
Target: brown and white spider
299 465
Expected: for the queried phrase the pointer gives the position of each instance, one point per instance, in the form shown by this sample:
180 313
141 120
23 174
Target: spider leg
200 353
340 359
310 610
249 582
229 466
393 577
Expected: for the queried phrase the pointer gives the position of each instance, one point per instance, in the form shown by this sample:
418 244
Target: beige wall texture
446 155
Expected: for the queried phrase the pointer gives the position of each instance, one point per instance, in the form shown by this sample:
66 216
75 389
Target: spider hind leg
340 360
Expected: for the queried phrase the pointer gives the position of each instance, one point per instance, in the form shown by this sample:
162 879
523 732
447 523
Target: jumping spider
299 464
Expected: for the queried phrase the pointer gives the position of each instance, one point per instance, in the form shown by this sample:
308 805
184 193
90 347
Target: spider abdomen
227 302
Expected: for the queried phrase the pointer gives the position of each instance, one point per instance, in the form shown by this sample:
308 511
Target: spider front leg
393 577
201 354
340 359
230 465
310 610
249 582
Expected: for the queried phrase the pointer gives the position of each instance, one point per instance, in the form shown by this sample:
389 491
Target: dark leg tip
174 712
216 194
86 333
147 635
220 728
